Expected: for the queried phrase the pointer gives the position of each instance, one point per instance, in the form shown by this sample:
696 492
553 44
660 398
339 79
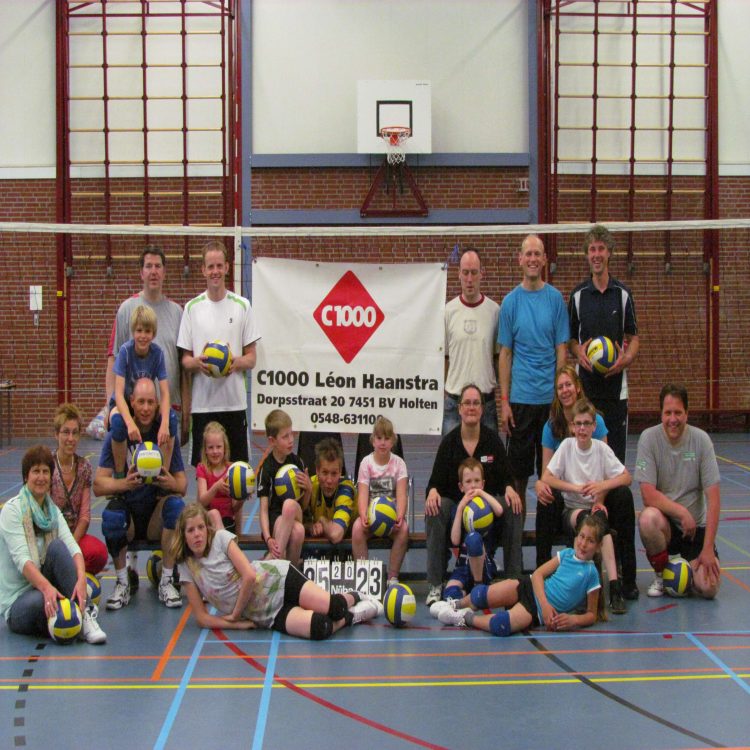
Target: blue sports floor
668 674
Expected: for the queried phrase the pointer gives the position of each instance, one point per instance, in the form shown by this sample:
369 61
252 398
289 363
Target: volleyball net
64 283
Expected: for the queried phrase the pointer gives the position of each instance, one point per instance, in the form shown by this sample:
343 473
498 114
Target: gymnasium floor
669 674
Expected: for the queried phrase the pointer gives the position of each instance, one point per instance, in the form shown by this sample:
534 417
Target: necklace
67 469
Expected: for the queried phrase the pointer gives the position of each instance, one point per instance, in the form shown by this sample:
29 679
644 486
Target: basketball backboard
394 103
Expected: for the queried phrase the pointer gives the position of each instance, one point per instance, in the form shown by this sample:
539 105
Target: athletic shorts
292 589
525 441
687 548
527 599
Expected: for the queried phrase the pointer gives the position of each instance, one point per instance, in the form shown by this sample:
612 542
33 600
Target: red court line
326 704
660 609
162 664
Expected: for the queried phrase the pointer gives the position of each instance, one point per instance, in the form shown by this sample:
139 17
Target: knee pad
500 624
479 596
453 592
115 529
117 428
171 510
321 627
338 607
474 544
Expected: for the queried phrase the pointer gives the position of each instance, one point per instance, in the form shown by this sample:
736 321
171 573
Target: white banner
344 343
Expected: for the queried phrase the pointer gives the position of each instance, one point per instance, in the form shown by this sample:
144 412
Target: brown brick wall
671 306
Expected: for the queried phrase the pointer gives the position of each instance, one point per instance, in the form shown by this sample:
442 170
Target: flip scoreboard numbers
338 576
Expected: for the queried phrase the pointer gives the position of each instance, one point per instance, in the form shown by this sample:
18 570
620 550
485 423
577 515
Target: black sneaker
630 593
616 602
133 580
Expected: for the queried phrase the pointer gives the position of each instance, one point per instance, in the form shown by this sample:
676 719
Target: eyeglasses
66 432
578 425
471 403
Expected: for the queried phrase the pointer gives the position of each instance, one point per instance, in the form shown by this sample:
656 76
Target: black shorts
527 599
292 589
687 548
525 441
235 424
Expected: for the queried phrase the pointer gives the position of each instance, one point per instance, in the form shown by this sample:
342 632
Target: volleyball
147 460
678 577
478 515
219 358
65 625
153 568
601 353
399 605
381 515
286 484
93 588
241 480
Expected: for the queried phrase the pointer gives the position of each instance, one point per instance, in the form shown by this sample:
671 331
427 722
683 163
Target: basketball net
394 138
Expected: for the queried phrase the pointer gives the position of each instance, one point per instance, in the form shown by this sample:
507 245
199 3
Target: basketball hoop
394 137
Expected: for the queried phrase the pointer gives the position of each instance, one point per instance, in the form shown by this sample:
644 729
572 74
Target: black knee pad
338 607
321 627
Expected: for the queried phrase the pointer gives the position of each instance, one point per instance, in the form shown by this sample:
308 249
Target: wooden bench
417 540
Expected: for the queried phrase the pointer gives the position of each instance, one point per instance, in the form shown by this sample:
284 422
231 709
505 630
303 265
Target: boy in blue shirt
140 357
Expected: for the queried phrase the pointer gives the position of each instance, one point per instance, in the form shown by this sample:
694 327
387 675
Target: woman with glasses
71 486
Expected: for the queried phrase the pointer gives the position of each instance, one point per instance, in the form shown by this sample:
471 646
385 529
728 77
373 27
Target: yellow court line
395 684
733 463
734 546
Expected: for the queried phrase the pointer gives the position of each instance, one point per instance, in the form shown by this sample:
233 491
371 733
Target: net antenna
394 137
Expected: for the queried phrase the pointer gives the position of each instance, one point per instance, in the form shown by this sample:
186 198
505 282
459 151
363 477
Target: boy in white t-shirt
585 470
382 473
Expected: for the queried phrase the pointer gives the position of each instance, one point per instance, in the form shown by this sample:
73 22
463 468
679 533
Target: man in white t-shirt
679 477
218 315
471 321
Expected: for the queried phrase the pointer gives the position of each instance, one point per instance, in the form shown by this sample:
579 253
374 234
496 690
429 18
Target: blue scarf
43 517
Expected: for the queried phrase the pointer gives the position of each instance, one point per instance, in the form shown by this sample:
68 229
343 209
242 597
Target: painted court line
715 659
180 694
265 698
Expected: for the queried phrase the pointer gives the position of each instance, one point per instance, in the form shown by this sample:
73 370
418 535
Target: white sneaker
169 594
438 607
657 587
120 597
372 598
392 581
365 609
433 595
456 617
90 630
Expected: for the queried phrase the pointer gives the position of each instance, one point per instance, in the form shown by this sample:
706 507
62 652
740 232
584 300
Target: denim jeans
26 614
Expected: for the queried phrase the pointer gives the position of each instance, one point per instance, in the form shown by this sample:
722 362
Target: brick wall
671 306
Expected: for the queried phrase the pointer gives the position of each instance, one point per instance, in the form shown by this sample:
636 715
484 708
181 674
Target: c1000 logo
349 316
345 316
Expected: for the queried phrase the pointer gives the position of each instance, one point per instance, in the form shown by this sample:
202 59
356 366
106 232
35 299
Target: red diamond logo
348 315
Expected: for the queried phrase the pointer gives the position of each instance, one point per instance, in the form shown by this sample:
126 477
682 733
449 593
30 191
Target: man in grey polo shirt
679 477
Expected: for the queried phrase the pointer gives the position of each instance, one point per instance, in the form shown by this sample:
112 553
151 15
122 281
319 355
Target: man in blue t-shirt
140 510
533 337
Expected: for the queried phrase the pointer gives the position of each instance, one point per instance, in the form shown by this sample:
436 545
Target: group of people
567 424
